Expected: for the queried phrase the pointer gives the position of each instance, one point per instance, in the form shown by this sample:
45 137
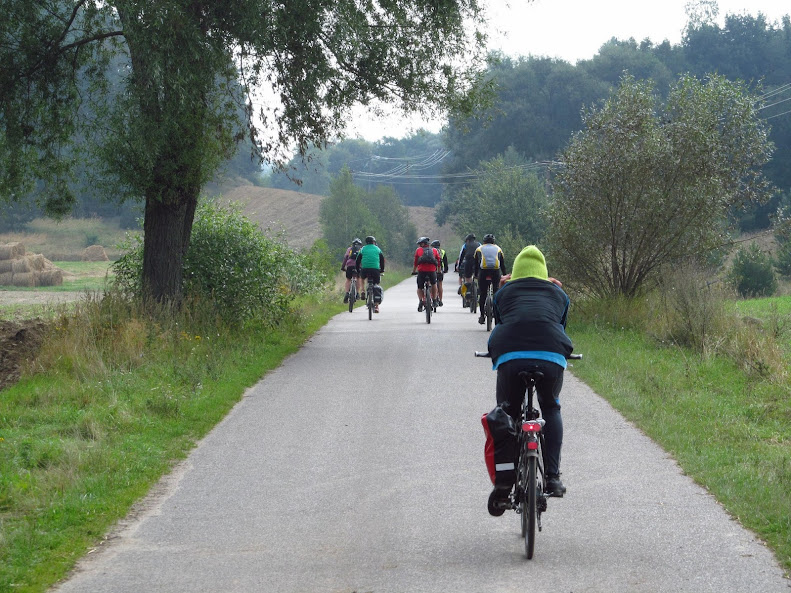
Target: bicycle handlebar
488 355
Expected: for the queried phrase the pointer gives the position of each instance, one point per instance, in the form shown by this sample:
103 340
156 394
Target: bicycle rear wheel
428 301
473 292
531 504
370 302
352 295
489 312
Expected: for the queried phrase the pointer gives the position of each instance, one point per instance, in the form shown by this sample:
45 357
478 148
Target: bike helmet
470 237
435 243
370 240
422 240
488 238
357 241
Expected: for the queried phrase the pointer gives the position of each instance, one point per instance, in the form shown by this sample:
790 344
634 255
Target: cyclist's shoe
498 502
376 308
482 319
420 306
439 303
554 487
346 298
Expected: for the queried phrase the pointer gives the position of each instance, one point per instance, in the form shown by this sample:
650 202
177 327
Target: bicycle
472 295
429 306
353 295
528 498
369 298
488 307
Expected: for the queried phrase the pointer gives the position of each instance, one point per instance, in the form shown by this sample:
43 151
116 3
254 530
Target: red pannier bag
501 447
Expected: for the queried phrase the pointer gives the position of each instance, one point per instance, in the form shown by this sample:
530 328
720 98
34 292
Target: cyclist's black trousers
511 389
484 278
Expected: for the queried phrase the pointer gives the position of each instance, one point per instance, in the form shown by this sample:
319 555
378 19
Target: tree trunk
167 228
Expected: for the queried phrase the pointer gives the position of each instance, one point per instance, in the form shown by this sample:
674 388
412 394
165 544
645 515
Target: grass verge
122 400
729 431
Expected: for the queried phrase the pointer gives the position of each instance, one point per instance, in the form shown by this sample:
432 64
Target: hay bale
20 266
7 279
37 262
24 279
6 265
94 253
12 250
51 277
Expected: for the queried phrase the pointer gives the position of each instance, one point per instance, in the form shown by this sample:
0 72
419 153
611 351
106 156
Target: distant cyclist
371 264
349 265
425 265
531 311
467 261
489 266
443 269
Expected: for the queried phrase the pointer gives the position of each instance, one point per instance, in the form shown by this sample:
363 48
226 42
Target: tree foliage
350 211
646 184
507 198
751 273
539 101
174 116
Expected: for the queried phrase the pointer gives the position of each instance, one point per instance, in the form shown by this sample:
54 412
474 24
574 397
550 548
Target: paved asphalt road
357 466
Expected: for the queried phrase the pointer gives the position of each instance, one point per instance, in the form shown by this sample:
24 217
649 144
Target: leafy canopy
646 184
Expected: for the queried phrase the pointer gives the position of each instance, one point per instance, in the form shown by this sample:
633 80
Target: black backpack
427 257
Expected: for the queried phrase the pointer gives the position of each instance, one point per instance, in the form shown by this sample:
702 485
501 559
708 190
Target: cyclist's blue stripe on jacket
558 359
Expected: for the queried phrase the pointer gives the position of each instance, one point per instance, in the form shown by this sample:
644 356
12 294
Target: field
297 214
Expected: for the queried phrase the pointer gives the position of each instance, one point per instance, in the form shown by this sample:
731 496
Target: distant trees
507 199
647 184
539 101
412 166
350 211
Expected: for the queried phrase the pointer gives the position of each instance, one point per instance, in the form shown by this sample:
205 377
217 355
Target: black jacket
531 316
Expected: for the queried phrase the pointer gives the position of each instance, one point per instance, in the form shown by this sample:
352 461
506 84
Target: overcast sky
575 30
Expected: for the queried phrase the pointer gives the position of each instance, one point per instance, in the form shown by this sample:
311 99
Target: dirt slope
279 209
298 214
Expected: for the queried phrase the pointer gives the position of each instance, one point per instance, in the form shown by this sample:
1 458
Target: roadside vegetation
120 391
705 375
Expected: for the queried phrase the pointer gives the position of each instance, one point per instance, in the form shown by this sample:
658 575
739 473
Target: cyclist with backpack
425 265
466 263
489 266
371 264
349 265
442 270
531 312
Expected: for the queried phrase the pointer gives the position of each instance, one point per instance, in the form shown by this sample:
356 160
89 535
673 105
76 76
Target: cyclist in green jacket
371 264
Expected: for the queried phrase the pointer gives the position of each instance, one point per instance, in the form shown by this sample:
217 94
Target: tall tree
645 184
507 198
176 115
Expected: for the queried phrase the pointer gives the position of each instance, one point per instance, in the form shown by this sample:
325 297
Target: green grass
729 431
81 443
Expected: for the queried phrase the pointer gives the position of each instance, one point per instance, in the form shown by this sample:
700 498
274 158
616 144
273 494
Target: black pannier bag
378 293
501 447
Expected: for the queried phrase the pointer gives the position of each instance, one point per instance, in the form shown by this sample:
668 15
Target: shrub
783 260
233 265
752 274
689 310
